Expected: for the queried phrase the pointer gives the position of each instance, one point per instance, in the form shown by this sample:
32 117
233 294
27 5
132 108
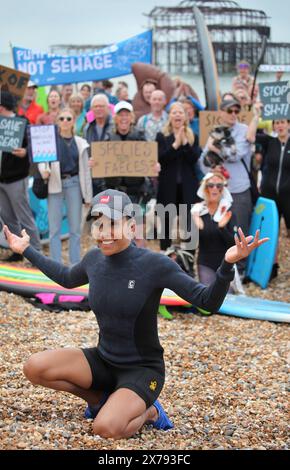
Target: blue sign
113 61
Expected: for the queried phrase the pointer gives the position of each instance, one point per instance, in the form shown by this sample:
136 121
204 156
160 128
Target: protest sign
275 97
274 68
13 81
43 143
210 119
112 61
121 158
11 133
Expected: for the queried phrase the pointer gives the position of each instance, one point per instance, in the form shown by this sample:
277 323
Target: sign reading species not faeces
124 158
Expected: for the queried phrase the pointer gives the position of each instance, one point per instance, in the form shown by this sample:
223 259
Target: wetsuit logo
153 385
131 284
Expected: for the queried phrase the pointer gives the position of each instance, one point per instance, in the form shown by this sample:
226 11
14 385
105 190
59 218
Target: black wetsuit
124 294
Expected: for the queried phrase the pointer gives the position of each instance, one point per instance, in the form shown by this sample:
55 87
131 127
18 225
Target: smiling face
66 122
76 103
112 236
230 116
100 107
123 121
157 101
147 91
213 189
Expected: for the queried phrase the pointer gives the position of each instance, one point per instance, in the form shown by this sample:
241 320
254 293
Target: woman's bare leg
65 370
123 415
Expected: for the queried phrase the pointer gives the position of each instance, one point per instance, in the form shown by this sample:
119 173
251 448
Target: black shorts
146 381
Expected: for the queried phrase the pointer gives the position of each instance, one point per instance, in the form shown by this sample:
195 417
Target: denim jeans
71 194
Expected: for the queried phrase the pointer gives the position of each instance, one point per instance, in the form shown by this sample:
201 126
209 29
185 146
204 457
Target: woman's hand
211 146
91 163
21 153
17 244
243 247
198 221
157 168
45 174
225 219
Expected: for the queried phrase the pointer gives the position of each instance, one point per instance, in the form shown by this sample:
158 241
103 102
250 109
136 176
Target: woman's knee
108 429
34 369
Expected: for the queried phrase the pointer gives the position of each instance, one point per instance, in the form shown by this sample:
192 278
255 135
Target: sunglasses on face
215 185
233 111
65 118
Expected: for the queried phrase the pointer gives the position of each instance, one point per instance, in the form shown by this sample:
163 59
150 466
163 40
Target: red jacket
32 112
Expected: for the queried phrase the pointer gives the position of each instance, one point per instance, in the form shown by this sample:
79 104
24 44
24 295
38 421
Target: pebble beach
226 385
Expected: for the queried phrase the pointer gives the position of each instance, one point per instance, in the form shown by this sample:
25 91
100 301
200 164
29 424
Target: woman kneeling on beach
122 377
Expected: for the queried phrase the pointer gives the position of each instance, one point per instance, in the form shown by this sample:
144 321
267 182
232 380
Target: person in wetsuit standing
123 376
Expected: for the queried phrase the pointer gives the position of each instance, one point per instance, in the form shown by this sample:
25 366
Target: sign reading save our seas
11 133
275 97
112 61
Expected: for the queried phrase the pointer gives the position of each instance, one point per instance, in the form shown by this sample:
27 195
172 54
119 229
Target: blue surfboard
255 308
265 218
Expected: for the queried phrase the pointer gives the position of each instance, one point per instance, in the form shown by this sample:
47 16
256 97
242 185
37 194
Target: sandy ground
226 385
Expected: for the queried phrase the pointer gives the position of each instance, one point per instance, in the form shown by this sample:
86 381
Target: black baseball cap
113 204
227 104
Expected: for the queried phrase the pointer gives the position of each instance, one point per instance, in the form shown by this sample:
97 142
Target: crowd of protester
213 182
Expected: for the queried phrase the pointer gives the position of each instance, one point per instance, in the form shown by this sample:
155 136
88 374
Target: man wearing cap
125 130
237 162
14 168
28 107
123 376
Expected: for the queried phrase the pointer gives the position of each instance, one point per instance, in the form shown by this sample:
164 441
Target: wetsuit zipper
280 167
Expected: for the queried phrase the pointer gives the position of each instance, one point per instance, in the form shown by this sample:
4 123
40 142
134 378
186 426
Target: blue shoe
91 411
163 422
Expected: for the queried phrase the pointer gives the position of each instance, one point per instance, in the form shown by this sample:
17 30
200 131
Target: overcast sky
38 24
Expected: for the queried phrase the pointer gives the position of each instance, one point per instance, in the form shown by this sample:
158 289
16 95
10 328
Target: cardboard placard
124 158
13 81
210 119
275 97
43 143
11 133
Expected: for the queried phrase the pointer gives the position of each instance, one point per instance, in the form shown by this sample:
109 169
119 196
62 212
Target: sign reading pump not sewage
275 97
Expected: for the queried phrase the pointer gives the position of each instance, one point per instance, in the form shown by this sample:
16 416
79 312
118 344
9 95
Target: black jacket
14 168
90 133
173 163
276 167
214 241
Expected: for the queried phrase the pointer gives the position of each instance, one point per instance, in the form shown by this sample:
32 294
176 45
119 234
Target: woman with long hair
54 102
69 180
178 153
